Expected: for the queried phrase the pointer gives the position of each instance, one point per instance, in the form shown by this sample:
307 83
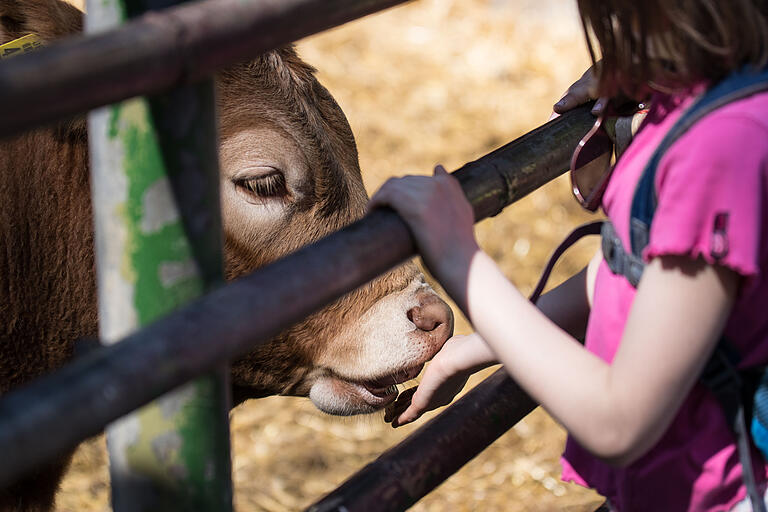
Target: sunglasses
591 164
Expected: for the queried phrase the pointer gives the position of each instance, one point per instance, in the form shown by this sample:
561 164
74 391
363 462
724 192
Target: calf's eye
266 186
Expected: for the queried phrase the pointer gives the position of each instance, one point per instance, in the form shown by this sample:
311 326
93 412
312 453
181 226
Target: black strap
723 379
745 457
593 228
618 259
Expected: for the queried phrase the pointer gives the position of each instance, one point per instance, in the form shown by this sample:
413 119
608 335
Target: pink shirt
718 167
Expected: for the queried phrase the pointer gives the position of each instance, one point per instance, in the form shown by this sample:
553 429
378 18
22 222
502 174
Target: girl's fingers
575 97
565 104
579 93
425 393
599 106
440 170
378 199
410 415
403 194
401 405
386 195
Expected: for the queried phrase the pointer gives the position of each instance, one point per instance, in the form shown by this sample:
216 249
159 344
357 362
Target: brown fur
47 285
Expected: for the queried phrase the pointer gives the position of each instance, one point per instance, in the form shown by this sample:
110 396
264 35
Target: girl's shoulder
712 187
748 116
733 138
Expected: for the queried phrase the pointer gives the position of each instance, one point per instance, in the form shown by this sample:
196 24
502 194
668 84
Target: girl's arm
618 410
615 410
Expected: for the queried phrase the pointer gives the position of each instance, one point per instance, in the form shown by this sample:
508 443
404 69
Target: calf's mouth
386 387
337 395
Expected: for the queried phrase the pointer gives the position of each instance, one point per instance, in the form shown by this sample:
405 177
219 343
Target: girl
642 430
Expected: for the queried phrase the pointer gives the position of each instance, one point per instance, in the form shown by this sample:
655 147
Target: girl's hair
672 43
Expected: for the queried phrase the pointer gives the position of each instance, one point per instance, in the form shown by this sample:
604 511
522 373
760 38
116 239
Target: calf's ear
48 19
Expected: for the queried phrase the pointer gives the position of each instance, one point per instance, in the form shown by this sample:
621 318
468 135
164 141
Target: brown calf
289 175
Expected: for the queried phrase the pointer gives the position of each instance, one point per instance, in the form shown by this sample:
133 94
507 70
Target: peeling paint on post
155 180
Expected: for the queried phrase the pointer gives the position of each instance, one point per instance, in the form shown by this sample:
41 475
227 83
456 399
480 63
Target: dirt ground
434 81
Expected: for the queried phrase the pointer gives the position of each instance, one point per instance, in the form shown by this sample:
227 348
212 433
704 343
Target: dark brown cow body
290 175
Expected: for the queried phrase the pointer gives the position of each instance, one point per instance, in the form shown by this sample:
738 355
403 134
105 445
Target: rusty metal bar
158 51
52 414
404 474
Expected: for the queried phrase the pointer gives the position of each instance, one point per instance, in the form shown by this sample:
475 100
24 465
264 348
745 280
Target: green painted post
155 178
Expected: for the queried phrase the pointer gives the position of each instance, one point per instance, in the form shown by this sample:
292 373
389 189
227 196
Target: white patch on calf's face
383 341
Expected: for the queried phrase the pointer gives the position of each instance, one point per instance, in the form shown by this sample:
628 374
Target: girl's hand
582 91
440 219
444 378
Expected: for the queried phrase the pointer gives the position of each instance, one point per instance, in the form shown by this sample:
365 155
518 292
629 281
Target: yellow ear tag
25 44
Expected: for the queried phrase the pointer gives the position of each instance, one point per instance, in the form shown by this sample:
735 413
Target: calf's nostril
426 318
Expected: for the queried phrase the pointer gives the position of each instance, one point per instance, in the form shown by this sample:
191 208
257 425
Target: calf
289 175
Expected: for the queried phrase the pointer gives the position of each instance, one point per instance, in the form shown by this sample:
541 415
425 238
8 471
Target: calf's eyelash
270 185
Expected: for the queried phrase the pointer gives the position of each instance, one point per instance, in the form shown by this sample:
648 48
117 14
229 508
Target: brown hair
672 42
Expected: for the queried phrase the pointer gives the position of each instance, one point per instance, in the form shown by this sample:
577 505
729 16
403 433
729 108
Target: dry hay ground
434 81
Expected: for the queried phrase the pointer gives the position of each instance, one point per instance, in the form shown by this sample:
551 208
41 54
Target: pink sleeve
713 185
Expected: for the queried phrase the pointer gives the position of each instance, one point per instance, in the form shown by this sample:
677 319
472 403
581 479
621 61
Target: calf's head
289 176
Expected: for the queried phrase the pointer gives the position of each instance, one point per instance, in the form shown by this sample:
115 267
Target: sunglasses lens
590 167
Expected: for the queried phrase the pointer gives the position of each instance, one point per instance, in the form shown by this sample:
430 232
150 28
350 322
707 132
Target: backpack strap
620 261
723 379
593 228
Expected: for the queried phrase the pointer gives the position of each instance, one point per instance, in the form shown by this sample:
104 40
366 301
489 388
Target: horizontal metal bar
405 473
53 414
158 51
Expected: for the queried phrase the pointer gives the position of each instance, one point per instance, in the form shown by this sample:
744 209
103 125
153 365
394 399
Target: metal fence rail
158 51
53 414
404 474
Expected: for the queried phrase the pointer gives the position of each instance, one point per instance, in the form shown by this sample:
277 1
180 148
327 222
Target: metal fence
159 52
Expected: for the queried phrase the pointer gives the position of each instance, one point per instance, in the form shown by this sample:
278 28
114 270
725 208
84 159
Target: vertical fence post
154 170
